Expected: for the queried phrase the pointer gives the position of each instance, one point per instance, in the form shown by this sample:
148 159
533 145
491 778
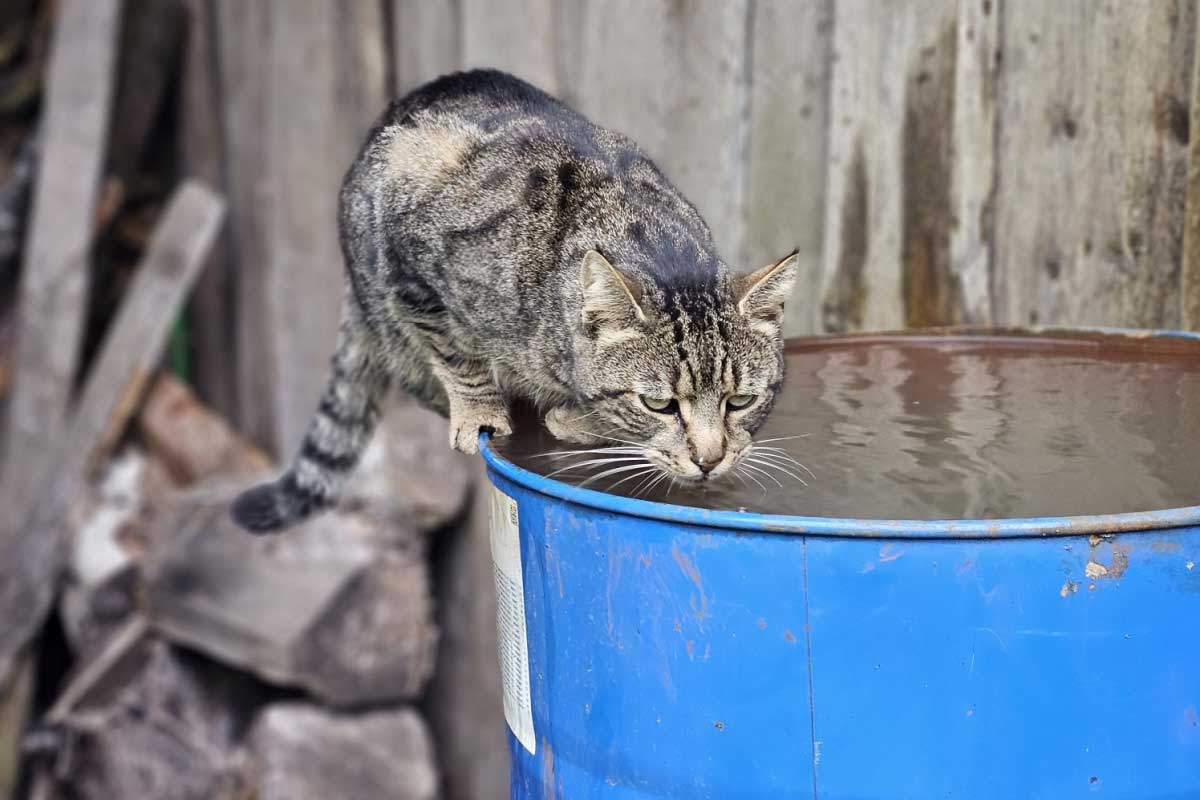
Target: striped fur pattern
498 245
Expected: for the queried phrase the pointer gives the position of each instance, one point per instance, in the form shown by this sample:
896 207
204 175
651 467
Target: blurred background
170 283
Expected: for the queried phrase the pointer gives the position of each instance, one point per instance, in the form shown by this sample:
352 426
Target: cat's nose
707 461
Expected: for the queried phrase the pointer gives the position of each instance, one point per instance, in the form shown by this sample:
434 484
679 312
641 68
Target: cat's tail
336 437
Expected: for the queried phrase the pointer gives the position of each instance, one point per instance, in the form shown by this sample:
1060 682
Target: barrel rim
1017 527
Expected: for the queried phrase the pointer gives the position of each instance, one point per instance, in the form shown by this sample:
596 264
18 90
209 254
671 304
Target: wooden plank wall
951 162
1008 162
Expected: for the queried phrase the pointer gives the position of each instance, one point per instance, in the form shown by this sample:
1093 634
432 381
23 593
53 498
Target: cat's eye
660 405
741 401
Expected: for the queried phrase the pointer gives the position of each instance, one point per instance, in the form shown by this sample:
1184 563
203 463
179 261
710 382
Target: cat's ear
610 298
761 295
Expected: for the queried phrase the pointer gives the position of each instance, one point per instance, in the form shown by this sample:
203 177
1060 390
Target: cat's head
689 372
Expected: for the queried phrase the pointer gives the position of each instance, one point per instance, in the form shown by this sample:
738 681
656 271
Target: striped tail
336 437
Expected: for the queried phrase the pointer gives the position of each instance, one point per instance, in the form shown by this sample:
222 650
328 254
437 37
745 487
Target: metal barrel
658 651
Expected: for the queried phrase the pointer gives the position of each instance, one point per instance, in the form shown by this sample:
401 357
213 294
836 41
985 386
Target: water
963 427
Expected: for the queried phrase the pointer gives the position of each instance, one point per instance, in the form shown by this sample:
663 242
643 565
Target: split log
334 606
33 545
193 441
155 723
465 706
54 281
300 752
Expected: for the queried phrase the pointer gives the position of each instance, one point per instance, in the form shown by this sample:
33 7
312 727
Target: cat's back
491 131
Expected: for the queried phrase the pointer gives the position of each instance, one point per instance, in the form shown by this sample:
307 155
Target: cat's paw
567 425
465 425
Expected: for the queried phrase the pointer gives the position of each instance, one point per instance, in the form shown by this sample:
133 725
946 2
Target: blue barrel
659 651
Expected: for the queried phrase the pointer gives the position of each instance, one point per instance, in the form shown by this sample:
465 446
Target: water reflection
953 428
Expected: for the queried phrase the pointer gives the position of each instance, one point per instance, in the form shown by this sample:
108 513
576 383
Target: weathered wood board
32 546
54 281
1092 161
212 317
676 78
303 81
426 41
891 180
785 157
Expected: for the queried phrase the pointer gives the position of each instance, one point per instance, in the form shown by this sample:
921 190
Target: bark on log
335 606
300 752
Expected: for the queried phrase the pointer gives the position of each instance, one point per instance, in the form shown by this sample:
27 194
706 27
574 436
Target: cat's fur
499 245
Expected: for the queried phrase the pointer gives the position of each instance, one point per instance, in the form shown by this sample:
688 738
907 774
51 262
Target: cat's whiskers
647 483
613 471
780 453
651 469
748 466
739 470
780 458
568 453
615 439
784 438
775 466
598 461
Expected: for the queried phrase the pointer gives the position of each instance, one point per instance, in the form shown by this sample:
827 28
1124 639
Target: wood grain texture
890 192
427 41
520 37
33 544
674 77
54 282
1092 152
212 321
303 82
1190 279
785 159
975 121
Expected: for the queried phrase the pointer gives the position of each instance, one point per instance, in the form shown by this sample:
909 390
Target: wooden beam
784 204
212 322
54 283
892 255
303 81
32 547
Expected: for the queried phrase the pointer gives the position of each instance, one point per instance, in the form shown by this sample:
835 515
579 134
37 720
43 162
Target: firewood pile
148 648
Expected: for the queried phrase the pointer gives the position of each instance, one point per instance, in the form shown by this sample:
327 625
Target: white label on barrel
510 619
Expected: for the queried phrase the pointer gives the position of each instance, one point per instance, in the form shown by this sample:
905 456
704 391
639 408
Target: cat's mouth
689 472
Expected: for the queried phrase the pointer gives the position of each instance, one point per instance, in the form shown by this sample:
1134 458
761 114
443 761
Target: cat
499 245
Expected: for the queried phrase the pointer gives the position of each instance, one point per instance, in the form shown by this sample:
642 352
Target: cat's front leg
571 425
476 402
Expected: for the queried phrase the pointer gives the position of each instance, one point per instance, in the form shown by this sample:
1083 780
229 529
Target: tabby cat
498 246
